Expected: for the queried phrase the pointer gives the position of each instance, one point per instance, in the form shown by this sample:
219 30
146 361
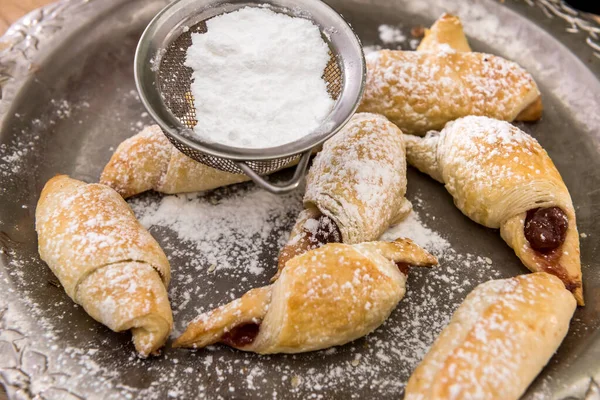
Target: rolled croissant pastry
105 260
420 91
497 342
354 189
148 161
446 33
501 177
325 297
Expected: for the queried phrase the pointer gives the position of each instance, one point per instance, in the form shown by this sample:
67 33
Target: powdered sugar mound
257 79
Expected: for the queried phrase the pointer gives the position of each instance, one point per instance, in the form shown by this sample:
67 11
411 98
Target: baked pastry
497 342
446 33
354 189
325 297
148 161
420 91
105 260
501 177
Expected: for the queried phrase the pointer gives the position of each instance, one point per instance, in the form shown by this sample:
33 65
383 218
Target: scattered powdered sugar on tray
393 37
412 227
381 362
226 233
227 229
14 155
390 34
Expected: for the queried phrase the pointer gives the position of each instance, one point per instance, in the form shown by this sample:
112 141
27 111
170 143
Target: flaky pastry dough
447 31
105 260
498 340
496 174
358 181
148 161
422 90
325 297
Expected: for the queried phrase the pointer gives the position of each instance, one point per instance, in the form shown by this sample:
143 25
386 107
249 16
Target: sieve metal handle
278 188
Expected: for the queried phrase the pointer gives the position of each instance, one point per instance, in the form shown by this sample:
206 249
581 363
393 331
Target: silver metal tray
67 100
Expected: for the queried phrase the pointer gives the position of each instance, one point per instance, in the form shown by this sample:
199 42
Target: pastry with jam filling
501 177
325 297
354 189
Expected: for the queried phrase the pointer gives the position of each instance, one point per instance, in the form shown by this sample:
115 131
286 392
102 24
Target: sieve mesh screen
174 81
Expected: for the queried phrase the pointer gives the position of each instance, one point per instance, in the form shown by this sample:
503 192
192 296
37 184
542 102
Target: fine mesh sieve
164 81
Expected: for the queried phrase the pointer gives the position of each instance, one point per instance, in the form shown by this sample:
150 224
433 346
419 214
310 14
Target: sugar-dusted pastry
501 177
497 342
325 297
446 33
420 91
354 189
148 161
105 260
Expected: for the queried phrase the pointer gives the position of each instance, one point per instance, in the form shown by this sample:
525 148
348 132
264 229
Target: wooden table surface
12 10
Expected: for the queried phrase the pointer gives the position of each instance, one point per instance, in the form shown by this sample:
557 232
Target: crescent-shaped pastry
105 260
497 342
325 297
446 32
148 161
421 91
354 189
501 177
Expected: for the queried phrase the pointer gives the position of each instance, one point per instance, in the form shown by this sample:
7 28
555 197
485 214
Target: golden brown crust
498 340
186 175
496 173
422 91
129 295
325 297
105 260
138 163
563 262
401 250
446 31
210 327
148 161
532 112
